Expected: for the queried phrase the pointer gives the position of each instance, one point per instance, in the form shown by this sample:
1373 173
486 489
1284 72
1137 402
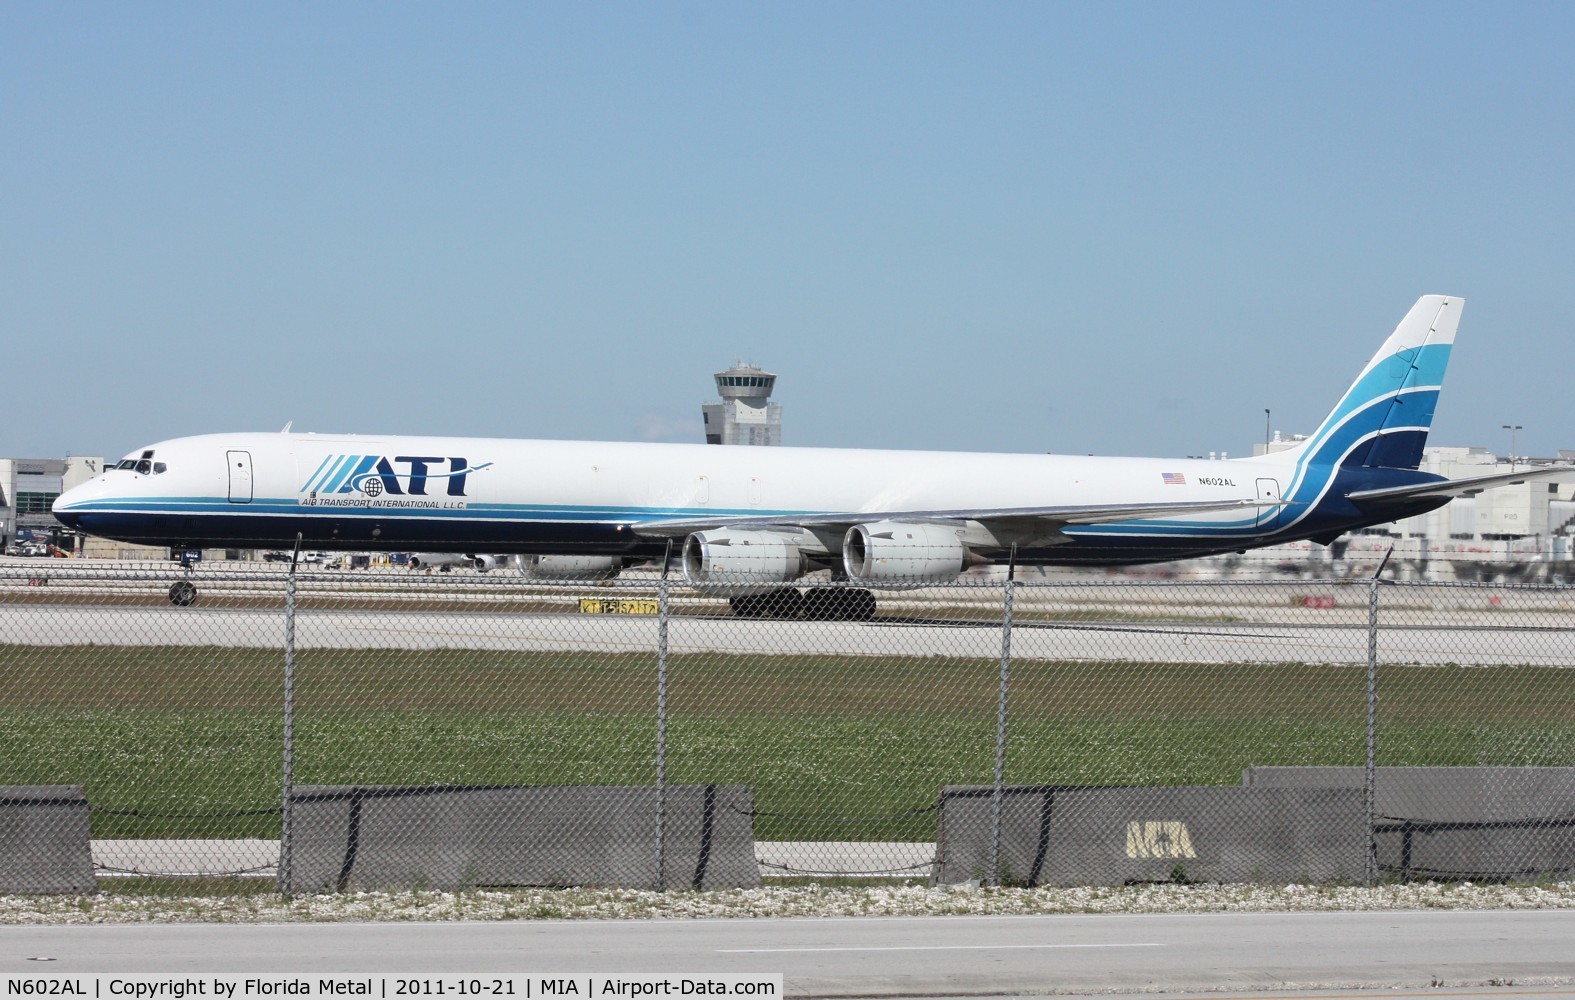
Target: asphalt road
875 956
1508 637
1270 621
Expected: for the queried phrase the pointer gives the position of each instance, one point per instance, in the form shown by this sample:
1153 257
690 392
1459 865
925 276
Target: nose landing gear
182 593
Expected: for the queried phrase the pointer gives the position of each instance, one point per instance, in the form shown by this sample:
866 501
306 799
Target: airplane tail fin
1383 419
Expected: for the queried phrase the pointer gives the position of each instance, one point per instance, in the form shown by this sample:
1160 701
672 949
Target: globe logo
372 486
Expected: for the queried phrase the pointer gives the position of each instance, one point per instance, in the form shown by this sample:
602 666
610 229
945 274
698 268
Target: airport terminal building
28 486
1521 533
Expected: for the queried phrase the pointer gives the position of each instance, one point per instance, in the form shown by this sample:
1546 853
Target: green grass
185 742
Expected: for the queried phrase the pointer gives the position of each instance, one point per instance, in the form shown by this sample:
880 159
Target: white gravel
810 901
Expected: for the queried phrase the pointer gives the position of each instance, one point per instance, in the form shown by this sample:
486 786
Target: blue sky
1109 228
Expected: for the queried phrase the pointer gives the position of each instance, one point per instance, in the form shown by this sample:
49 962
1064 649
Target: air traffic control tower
745 414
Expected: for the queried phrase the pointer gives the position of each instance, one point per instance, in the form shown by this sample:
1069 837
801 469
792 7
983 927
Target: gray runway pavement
875 956
1506 637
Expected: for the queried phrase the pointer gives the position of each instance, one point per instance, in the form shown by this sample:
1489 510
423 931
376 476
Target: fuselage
436 494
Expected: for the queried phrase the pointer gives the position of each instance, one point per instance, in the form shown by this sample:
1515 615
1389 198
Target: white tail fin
1385 415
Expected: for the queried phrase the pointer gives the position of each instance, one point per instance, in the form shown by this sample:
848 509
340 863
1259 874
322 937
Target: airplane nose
63 513
65 506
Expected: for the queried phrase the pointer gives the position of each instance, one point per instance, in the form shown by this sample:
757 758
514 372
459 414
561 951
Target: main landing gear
815 604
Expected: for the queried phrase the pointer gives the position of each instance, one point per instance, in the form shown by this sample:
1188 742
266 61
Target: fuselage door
240 463
1268 491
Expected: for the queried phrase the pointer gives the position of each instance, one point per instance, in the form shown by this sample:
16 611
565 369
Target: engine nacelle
485 563
440 561
556 567
735 563
895 554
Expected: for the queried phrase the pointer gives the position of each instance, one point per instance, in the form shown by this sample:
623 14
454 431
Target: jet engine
729 562
895 554
559 567
483 563
440 561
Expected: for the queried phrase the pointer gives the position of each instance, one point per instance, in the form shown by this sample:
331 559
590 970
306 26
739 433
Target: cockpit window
144 464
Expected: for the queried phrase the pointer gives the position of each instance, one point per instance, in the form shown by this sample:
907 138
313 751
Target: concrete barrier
1457 822
1079 835
450 837
45 841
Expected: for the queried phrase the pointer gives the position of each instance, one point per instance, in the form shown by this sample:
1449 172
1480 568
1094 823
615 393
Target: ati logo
1161 839
401 475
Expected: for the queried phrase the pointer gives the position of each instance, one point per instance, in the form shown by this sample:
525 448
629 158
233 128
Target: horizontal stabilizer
1462 487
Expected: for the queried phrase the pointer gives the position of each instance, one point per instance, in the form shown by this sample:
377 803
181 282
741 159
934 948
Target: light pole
1512 428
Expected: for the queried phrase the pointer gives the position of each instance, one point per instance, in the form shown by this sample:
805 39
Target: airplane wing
1462 487
1032 520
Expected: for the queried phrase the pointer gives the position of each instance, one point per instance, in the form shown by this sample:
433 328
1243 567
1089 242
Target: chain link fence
333 730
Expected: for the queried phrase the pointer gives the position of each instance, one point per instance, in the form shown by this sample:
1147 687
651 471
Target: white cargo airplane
541 567
752 521
440 561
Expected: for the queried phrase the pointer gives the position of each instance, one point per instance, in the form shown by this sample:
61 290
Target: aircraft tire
860 605
785 603
183 593
823 604
747 606
835 604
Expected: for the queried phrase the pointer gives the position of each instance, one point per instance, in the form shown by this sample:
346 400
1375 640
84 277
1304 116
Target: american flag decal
1173 478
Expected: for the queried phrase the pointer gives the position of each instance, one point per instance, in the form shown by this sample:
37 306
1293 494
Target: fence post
661 728
286 813
1370 774
998 798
